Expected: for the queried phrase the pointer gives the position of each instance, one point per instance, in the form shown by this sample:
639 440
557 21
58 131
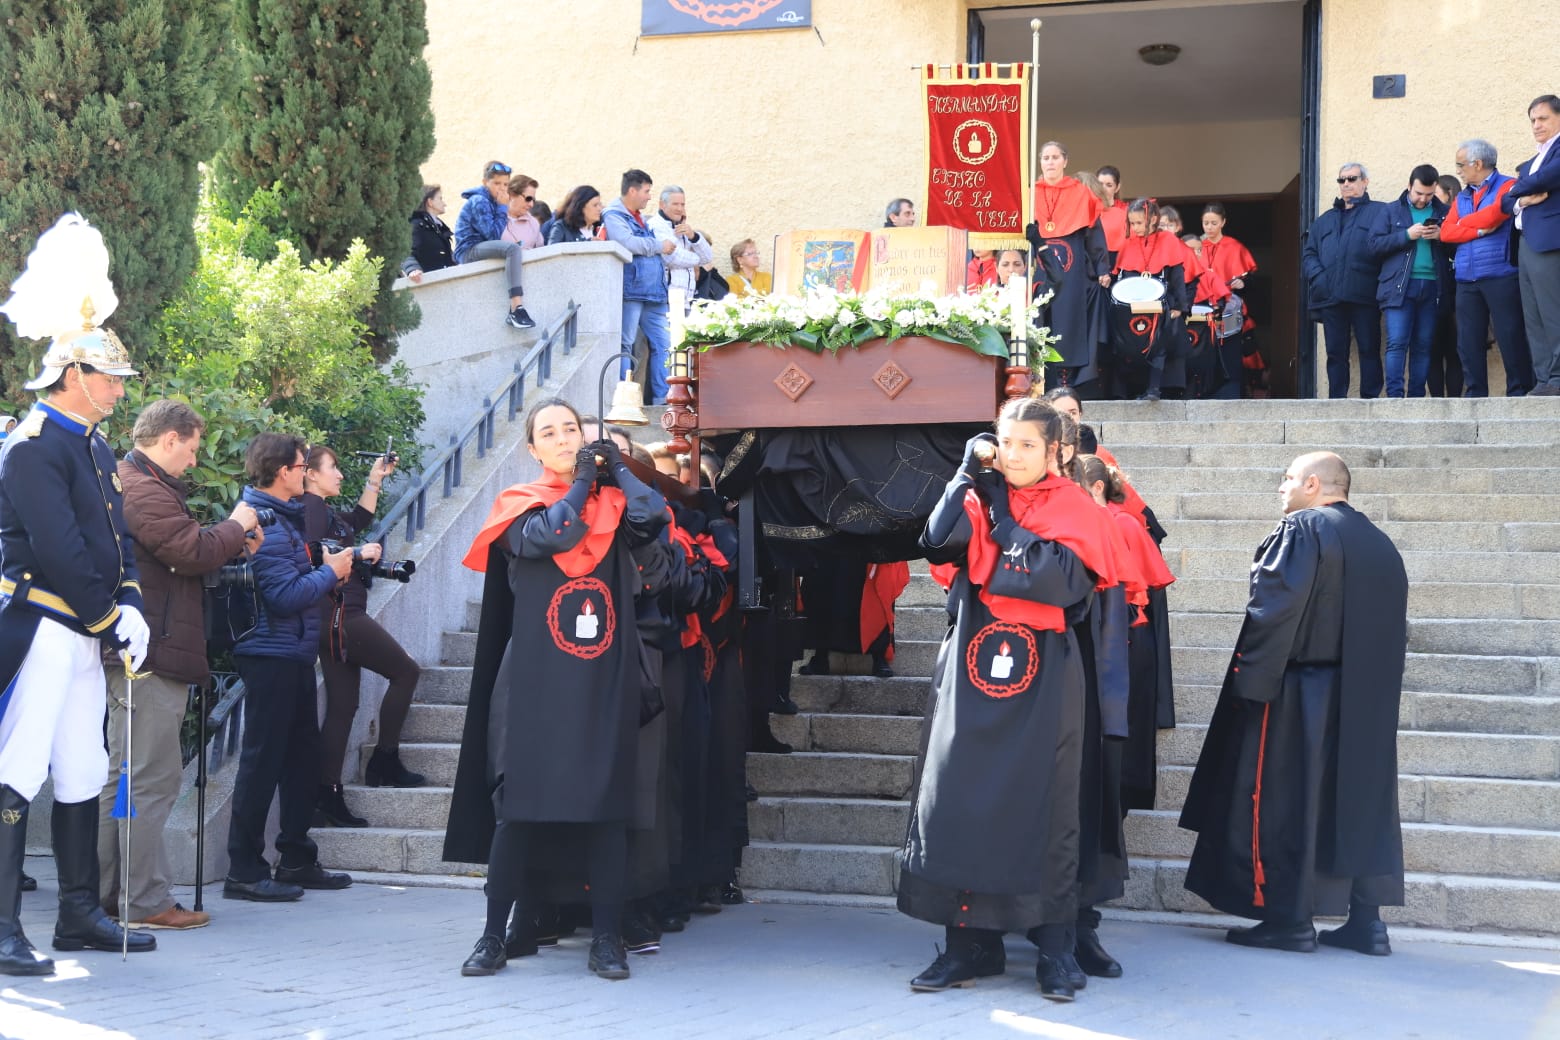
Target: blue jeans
1410 336
1364 321
640 314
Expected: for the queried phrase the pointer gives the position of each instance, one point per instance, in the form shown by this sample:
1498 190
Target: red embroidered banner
977 151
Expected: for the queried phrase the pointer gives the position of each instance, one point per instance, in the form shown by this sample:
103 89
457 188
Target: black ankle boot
607 957
486 958
520 936
17 955
330 809
385 770
958 967
1051 974
1091 956
82 924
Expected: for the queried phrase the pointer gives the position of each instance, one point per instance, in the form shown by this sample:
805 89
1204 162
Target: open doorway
1221 121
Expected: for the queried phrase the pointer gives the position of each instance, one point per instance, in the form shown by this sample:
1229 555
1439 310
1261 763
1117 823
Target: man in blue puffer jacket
644 280
276 661
1406 237
1487 289
479 234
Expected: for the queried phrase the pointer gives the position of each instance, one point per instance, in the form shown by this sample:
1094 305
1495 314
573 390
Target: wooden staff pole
1034 96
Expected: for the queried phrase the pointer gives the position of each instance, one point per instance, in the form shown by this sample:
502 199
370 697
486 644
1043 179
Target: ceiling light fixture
1159 53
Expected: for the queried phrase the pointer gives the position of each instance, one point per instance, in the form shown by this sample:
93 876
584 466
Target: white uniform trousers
54 723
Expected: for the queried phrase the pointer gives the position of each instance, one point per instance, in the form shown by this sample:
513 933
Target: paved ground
382 962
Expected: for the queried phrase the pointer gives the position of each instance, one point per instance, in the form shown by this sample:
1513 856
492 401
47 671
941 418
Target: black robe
1102 847
569 749
1312 694
993 835
1080 259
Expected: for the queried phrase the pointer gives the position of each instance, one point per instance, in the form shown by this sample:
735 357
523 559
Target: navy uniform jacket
65 551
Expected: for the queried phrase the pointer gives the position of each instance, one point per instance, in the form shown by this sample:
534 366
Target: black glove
609 451
972 463
585 467
993 490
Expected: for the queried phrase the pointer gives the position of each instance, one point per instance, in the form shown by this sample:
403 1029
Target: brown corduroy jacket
172 551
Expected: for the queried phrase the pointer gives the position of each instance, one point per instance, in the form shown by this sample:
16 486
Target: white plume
67 267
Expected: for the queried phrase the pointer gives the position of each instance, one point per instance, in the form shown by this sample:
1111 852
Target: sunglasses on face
529 198
1349 179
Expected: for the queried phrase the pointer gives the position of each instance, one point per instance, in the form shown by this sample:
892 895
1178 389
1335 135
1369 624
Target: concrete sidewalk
382 962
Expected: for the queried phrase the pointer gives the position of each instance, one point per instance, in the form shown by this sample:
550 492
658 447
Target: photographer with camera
172 552
276 660
350 641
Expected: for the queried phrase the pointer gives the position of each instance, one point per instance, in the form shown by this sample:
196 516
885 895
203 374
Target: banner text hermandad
977 151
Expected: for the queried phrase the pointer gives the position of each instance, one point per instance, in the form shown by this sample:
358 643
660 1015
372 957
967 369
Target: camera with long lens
364 570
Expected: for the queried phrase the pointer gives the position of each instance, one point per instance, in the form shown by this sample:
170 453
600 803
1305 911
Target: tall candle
1018 287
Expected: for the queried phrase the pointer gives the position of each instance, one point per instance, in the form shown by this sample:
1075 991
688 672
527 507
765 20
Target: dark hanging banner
683 17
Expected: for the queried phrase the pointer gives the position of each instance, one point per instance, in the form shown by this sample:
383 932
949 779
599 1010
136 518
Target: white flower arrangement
828 320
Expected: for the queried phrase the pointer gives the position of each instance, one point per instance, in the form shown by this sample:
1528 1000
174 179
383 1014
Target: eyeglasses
499 167
529 198
1349 179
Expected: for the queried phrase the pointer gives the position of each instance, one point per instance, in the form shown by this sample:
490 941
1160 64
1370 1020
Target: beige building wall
767 131
1471 67
771 131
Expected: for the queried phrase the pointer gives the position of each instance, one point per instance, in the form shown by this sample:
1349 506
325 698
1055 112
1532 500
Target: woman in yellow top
749 280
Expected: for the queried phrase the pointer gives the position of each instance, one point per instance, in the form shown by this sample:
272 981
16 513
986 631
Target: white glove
131 629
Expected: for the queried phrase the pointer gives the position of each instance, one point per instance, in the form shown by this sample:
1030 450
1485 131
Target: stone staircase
1467 489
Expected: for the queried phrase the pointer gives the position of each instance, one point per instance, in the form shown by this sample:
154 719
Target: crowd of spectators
1445 264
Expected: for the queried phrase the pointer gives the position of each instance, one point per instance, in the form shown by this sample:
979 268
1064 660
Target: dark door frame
1310 136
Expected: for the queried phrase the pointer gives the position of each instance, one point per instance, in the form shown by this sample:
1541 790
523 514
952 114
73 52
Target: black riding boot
17 956
82 924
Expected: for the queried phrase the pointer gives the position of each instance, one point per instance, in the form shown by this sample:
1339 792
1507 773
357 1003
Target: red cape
885 581
1131 576
1144 555
1228 258
1068 205
1055 509
603 509
1113 222
1150 254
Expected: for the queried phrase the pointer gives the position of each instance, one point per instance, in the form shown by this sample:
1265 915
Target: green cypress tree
332 105
107 107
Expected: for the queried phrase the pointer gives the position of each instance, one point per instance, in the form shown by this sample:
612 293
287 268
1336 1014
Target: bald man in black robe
1295 794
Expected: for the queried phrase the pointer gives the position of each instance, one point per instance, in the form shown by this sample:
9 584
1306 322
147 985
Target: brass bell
627 405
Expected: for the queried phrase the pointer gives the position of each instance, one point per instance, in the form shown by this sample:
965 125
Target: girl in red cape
1066 227
1148 347
993 837
547 801
1232 261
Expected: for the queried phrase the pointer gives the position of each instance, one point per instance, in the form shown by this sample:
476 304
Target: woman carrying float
993 836
545 789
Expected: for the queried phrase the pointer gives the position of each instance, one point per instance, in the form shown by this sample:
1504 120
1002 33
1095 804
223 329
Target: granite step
1434 900
1487 713
870 734
1371 480
1329 409
854 775
1510 676
1533 568
1254 505
1453 800
1439 754
1408 536
1215 452
1426 599
828 821
1442 848
1464 635
394 849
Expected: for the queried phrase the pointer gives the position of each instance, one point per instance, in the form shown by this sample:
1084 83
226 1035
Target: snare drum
1142 294
1202 314
1232 319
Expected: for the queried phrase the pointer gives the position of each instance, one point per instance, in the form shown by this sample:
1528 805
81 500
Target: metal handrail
447 468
